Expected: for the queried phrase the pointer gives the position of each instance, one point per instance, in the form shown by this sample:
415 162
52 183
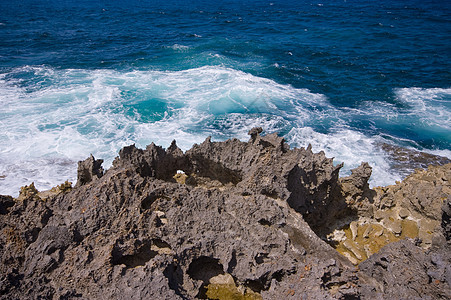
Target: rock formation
227 220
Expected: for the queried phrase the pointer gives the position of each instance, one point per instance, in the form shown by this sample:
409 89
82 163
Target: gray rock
402 270
245 213
88 170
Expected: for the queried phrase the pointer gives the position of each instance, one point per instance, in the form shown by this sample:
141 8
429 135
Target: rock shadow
204 268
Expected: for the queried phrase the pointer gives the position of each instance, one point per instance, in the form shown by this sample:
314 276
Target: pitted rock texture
224 218
415 208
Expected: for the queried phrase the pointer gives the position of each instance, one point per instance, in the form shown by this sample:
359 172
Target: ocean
89 77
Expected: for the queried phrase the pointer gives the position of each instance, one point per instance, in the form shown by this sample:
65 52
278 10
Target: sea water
89 77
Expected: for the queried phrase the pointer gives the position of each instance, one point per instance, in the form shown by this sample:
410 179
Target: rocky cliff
228 220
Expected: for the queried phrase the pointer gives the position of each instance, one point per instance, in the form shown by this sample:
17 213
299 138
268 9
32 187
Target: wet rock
406 160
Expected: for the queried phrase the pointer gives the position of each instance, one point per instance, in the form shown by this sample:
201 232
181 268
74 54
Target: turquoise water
345 76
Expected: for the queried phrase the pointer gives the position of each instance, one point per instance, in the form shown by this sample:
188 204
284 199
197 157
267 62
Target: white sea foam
58 117
422 109
349 147
432 106
46 129
180 48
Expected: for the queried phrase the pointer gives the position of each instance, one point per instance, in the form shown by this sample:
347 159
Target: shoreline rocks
227 219
409 209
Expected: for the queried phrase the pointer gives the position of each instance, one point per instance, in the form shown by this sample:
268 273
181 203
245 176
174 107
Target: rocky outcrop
416 208
88 170
405 159
226 219
407 272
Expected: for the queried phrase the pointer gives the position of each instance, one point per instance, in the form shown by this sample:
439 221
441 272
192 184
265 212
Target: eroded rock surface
415 208
225 219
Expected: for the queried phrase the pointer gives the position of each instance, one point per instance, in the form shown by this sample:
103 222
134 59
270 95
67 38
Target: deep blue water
345 76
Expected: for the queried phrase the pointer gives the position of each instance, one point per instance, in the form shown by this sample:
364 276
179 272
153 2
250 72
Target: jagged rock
410 209
242 221
88 170
28 191
356 192
254 132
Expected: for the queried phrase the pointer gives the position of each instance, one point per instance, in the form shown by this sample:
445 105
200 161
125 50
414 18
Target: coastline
252 219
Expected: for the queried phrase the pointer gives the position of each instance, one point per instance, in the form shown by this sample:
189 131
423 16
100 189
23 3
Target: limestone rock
244 220
409 273
414 208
